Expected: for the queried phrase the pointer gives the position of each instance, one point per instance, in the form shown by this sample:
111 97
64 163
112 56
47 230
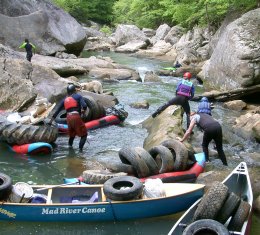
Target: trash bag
153 188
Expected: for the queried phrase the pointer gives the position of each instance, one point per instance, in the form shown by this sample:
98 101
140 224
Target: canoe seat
80 199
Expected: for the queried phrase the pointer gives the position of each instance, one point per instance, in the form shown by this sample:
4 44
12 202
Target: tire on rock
240 216
179 153
130 156
5 186
19 134
211 202
123 188
99 176
163 157
119 167
102 110
205 226
150 162
93 106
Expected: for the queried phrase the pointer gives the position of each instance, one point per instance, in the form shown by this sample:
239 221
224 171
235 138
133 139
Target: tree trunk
230 95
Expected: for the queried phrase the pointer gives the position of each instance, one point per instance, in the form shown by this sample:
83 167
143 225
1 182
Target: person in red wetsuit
74 105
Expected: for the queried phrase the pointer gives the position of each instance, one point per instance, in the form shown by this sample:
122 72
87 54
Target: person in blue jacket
74 105
29 47
204 106
184 92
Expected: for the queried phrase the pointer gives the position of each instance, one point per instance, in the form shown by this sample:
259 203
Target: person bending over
212 131
74 105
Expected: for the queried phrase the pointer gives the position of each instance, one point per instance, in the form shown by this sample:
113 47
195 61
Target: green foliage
99 11
106 29
187 13
152 13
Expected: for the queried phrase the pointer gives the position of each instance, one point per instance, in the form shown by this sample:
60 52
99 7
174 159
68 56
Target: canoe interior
83 193
238 182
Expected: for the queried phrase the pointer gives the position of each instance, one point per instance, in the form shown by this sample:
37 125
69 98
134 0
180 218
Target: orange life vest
70 102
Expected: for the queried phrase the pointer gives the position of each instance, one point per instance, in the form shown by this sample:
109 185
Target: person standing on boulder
184 92
29 47
74 105
212 131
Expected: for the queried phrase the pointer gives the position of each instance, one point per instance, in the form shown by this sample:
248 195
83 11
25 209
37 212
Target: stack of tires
169 156
95 111
214 210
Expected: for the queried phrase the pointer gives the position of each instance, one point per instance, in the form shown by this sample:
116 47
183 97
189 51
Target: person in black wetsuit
212 131
29 47
184 92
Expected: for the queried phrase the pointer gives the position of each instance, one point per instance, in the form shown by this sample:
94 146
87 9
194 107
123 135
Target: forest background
153 13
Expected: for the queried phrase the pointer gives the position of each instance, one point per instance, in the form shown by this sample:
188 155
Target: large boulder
174 35
235 60
127 33
248 126
45 25
16 88
161 32
167 125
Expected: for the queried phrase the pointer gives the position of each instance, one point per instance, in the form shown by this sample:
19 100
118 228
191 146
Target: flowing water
103 146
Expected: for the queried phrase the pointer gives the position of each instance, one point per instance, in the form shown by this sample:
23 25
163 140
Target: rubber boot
71 139
82 141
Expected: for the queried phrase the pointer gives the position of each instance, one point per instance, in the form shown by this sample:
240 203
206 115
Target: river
103 145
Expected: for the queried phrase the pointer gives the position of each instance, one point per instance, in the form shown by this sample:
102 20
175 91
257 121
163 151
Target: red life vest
70 102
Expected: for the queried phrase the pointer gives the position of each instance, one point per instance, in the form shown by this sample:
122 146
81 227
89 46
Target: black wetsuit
212 131
29 53
179 99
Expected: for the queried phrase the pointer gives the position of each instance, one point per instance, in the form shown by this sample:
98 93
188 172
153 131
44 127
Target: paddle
56 186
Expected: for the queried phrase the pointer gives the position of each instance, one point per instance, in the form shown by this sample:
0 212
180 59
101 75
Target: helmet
205 99
71 89
187 75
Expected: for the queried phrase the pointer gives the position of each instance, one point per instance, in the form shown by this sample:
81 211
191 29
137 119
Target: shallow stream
104 144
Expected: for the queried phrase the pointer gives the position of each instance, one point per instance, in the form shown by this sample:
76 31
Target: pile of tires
215 209
19 134
94 111
170 155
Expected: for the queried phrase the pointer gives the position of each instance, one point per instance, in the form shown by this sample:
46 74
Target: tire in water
5 186
19 134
